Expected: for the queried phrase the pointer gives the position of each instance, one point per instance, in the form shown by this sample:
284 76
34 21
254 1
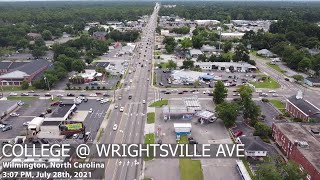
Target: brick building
300 143
26 72
298 107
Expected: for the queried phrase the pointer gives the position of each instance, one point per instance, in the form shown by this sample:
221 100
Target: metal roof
205 114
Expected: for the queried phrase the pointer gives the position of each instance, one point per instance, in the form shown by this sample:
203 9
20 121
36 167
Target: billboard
73 127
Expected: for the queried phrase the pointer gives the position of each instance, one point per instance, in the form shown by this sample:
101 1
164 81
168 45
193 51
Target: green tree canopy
78 65
24 85
46 35
219 92
228 112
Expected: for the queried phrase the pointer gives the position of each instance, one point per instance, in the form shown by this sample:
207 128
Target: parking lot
230 79
203 133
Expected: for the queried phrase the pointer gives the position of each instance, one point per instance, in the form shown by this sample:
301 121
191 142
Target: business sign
74 126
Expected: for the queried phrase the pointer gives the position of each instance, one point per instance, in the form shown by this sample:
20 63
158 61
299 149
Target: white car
90 110
115 127
130 80
75 136
148 79
26 123
59 95
121 109
206 92
116 106
196 92
272 91
143 101
14 114
93 95
275 95
13 94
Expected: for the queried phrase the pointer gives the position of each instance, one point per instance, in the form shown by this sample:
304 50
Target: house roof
100 33
195 52
208 48
264 52
11 64
303 105
253 143
4 65
14 75
314 79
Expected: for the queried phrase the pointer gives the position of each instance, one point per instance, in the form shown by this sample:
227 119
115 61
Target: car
105 95
85 100
272 91
236 94
121 109
82 95
130 81
90 110
32 91
93 95
98 93
20 103
148 79
167 92
26 123
143 101
115 127
116 106
36 95
14 114
59 95
206 92
87 135
13 94
47 94
70 95
6 128
24 94
55 104
196 92
263 94
180 92
238 133
75 136
161 84
193 90
130 97
275 95
185 91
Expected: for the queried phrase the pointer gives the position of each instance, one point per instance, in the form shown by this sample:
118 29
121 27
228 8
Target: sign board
75 126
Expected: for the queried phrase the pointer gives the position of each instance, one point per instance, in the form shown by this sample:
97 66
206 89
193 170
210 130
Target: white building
253 146
230 36
185 76
194 53
206 22
237 66
164 32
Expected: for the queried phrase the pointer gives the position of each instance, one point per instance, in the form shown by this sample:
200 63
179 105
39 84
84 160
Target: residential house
253 146
300 144
26 72
99 36
300 108
34 36
194 53
312 81
265 53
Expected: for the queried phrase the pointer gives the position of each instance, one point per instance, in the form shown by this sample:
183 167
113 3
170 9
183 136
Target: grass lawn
15 88
268 83
159 103
246 164
163 65
157 53
54 99
277 103
276 67
189 169
149 139
151 118
22 98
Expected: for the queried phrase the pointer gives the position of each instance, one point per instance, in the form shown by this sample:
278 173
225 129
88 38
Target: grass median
22 98
278 104
159 103
189 169
149 139
276 67
151 117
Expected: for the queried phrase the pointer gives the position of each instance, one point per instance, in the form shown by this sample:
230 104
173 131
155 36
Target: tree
88 59
241 54
186 43
46 35
169 48
38 52
292 171
78 65
187 64
304 64
250 110
298 77
68 86
101 70
171 64
196 83
24 85
23 43
262 130
197 41
267 172
219 92
227 46
202 58
227 112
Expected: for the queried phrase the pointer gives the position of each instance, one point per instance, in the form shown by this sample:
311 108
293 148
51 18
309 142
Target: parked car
59 95
55 104
167 92
180 92
121 109
115 127
47 94
36 95
90 110
98 93
105 95
116 106
75 136
13 94
93 95
70 95
24 94
6 128
238 133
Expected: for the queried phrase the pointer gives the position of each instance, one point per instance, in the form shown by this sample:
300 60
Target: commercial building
6 107
6 66
237 66
26 72
207 22
164 32
190 107
300 108
300 143
182 128
253 146
312 81
195 53
185 76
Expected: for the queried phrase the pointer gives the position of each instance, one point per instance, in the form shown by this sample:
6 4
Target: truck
35 124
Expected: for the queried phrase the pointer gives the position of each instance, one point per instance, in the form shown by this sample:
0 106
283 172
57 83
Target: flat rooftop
299 132
4 105
61 110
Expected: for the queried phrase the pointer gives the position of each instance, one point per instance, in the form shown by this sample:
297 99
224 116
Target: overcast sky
153 0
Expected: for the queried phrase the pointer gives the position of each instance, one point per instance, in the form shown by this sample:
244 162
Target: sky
153 0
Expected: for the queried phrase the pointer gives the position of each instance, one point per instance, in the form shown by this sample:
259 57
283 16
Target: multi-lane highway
131 121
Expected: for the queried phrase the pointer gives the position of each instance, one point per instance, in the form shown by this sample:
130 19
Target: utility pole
219 29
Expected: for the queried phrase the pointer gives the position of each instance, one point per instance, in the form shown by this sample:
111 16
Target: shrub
87 87
98 87
103 87
265 100
92 87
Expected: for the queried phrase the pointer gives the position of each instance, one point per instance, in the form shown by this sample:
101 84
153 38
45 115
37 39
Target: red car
56 103
238 133
98 93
